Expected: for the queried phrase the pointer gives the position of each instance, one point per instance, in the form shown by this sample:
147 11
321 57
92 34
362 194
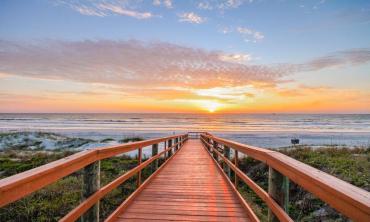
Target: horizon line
207 113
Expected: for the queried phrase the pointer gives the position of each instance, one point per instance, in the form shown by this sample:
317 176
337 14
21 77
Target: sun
211 106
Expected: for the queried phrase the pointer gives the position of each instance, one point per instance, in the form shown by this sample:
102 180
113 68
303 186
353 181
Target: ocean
263 130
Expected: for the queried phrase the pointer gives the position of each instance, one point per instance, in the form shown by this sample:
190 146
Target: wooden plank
161 206
194 212
179 217
189 188
188 203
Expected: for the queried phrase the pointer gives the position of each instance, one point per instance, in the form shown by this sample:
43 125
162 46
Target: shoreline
88 140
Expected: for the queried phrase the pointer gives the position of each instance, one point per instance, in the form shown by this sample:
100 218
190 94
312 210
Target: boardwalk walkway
189 188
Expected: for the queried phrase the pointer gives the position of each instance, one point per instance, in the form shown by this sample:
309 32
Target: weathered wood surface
189 188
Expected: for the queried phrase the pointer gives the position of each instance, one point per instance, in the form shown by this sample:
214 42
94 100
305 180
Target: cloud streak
221 4
136 64
191 17
106 8
166 3
340 58
130 62
247 34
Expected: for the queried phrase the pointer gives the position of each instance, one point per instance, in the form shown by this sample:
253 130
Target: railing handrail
17 186
348 199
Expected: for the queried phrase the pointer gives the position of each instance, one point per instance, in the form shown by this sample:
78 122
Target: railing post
169 145
209 142
215 148
139 159
176 142
165 153
227 155
236 163
91 184
279 190
155 162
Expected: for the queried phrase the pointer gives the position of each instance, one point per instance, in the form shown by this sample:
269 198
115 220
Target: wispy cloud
236 57
249 34
165 3
119 71
221 4
205 5
225 30
131 62
86 10
164 70
337 59
103 8
191 17
116 9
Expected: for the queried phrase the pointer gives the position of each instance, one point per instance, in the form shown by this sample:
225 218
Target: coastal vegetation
349 164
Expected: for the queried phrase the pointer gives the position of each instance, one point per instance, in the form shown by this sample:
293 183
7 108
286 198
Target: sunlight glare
210 106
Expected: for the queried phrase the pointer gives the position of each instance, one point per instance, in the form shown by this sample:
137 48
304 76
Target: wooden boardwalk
189 188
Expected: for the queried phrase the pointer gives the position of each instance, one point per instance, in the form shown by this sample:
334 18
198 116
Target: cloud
132 63
246 33
225 30
302 90
86 10
236 57
228 94
162 70
340 58
205 5
249 34
106 8
221 4
165 3
230 4
116 9
191 17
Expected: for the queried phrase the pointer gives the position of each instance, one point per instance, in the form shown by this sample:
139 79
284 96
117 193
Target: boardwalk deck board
189 188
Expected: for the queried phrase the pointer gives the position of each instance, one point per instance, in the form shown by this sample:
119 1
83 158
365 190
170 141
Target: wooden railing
349 200
195 134
22 184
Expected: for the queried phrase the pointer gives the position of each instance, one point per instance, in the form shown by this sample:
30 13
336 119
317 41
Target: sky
223 56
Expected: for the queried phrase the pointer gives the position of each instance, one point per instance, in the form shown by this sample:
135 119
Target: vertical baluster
165 153
279 190
227 155
209 142
139 157
176 142
155 162
236 162
91 184
215 148
169 145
